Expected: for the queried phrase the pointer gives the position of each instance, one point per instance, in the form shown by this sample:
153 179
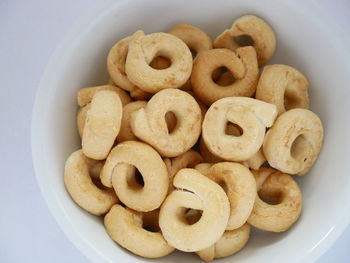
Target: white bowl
305 40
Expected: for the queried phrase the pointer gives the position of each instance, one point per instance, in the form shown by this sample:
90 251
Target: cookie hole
233 129
244 40
271 197
150 221
226 79
160 62
134 179
215 75
192 216
223 76
171 121
300 148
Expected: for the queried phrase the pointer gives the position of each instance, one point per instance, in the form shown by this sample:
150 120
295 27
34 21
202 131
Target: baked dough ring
242 64
196 39
282 189
283 86
116 64
230 243
85 95
124 226
240 188
188 159
81 187
149 123
253 116
294 142
119 171
144 48
116 68
197 192
256 28
126 133
102 124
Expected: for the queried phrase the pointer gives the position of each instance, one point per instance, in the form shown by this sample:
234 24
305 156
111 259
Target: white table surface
29 33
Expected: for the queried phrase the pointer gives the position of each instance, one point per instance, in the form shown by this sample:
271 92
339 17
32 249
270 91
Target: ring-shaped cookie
102 124
149 123
119 172
294 142
276 187
194 191
116 64
124 226
257 29
196 39
283 86
81 188
242 64
116 68
144 48
253 116
240 188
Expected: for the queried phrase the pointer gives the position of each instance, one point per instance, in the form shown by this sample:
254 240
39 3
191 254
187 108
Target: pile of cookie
188 145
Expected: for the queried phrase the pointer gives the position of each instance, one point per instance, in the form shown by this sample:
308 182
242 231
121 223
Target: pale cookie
144 48
119 172
294 142
149 123
242 65
280 188
283 86
194 191
240 187
81 188
253 116
102 124
261 33
124 226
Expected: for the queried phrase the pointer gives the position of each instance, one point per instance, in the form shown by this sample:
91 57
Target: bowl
306 40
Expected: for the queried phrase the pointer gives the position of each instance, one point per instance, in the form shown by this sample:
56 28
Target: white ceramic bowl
305 40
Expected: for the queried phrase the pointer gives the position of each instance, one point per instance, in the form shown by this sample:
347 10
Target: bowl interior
302 42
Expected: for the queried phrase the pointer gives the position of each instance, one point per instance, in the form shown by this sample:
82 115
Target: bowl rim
93 15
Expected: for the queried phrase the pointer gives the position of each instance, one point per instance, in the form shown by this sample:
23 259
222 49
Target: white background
29 33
